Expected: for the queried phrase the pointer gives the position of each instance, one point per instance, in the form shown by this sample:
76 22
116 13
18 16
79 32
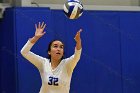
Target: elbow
23 53
77 58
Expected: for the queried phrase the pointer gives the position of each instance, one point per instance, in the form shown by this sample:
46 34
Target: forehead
57 43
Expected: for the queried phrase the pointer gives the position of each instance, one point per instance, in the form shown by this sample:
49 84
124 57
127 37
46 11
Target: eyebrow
60 45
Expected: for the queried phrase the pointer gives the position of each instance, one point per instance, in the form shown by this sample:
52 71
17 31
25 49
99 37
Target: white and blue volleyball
73 9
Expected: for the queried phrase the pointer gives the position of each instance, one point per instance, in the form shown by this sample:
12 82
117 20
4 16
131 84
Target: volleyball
73 9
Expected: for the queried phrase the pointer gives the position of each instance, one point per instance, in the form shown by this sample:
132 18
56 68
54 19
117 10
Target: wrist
78 45
34 39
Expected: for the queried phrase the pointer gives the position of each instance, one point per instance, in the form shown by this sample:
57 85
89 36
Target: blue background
110 57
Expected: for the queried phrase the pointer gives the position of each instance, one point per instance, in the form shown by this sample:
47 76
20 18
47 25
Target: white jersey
53 80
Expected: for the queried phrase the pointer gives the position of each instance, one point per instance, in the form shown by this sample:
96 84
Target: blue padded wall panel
104 51
28 76
99 68
8 54
130 35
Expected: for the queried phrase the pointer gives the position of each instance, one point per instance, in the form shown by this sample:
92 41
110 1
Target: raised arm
72 61
25 51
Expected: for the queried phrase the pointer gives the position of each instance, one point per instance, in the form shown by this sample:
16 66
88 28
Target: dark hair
49 48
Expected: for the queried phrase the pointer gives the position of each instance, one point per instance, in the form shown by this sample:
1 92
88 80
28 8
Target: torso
55 79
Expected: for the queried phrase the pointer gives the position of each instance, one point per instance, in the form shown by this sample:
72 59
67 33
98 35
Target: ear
49 53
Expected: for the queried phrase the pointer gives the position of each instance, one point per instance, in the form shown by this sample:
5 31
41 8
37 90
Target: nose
58 48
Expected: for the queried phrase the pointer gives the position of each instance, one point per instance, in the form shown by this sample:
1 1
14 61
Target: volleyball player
55 71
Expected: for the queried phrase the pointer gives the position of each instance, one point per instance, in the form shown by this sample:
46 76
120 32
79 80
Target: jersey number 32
53 81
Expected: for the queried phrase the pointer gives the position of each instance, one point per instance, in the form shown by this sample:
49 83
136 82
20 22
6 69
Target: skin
56 52
57 48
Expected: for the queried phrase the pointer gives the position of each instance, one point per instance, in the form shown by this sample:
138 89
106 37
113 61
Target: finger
44 33
75 37
80 31
42 24
39 25
35 26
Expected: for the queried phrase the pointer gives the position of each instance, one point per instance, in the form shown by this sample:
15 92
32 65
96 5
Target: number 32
53 81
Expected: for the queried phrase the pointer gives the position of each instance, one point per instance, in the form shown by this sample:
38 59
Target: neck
54 63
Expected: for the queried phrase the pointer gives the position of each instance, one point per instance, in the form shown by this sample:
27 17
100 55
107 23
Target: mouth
58 53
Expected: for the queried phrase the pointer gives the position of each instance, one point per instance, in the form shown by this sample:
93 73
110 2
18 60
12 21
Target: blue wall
110 57
130 28
8 54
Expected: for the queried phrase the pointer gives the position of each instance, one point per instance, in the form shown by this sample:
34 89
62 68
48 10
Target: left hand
77 36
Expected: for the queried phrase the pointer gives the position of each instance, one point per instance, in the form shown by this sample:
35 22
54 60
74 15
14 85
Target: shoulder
65 60
45 60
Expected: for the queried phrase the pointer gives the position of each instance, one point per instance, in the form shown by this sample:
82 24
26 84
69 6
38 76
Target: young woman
55 71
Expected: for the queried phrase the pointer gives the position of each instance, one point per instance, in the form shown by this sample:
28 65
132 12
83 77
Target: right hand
40 29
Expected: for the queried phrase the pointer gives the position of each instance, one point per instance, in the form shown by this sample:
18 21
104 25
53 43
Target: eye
55 46
61 47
